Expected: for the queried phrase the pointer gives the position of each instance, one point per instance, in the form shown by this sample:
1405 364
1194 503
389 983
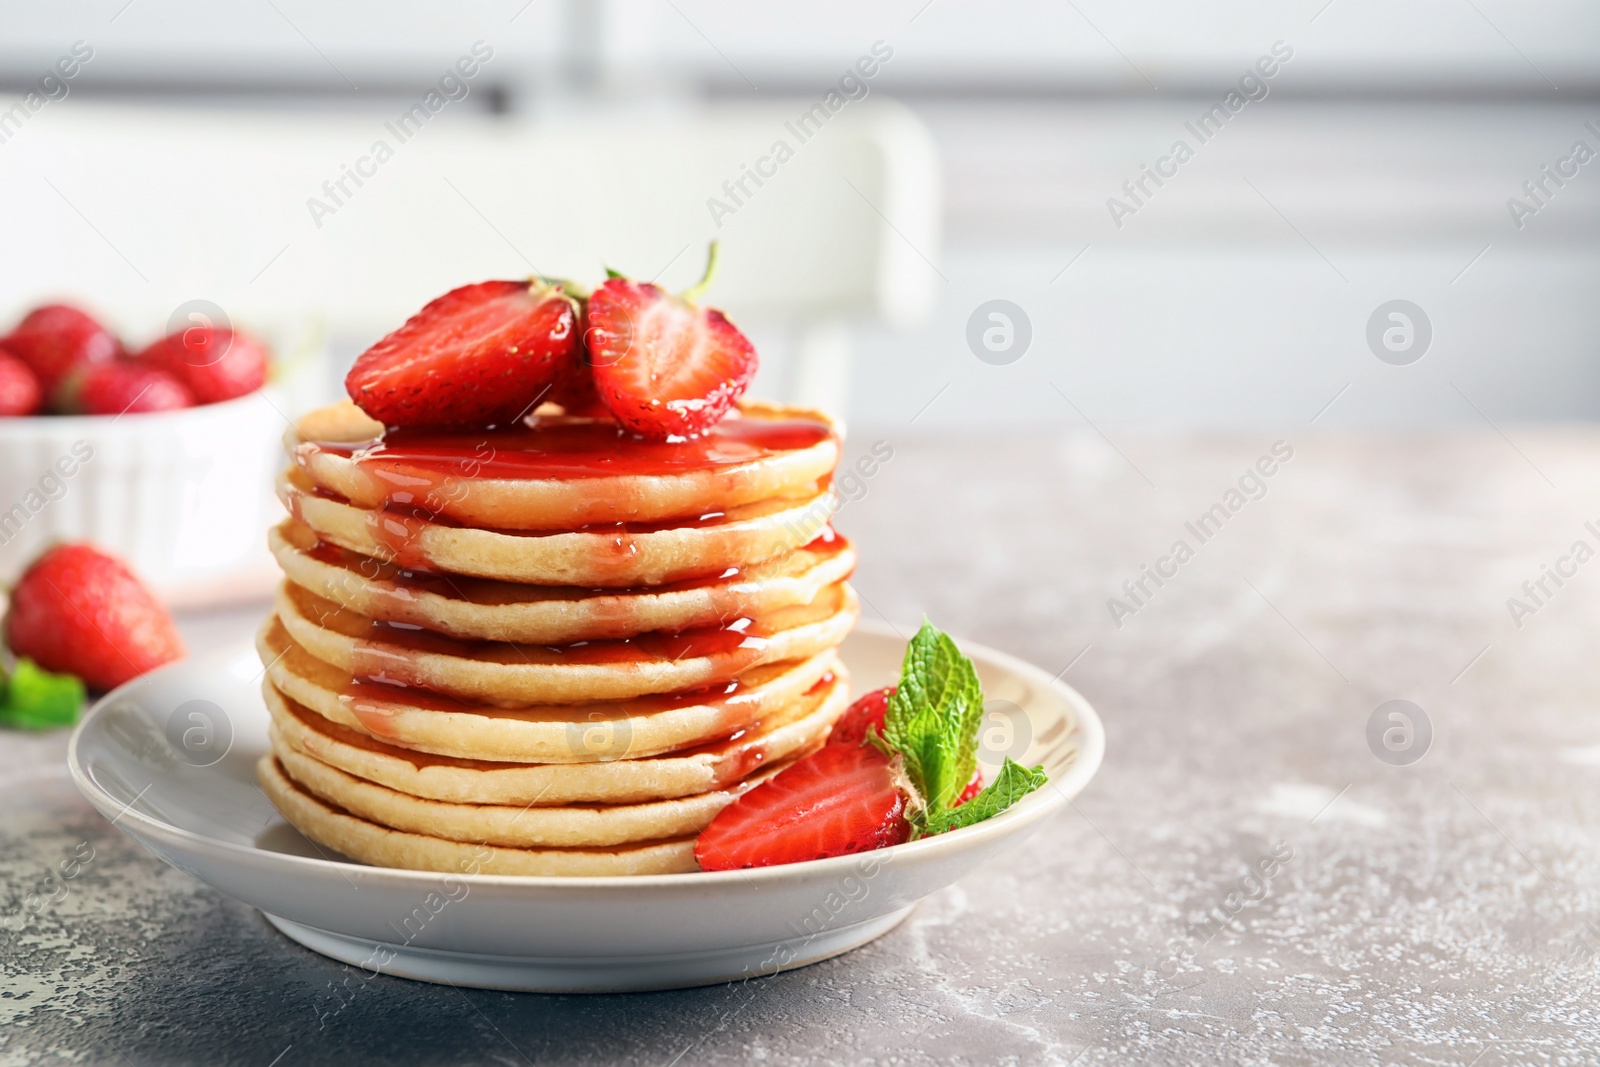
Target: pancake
789 731
560 473
580 733
363 840
517 825
541 614
608 555
507 674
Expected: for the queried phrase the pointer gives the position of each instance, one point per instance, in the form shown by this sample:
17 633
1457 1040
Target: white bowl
170 759
182 496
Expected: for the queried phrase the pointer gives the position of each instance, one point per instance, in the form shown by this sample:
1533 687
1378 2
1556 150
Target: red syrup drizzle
387 651
740 761
559 449
375 704
828 542
402 584
384 680
399 535
422 471
419 469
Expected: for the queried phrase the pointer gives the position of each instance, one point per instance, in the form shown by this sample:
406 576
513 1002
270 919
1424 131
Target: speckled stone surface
1441 912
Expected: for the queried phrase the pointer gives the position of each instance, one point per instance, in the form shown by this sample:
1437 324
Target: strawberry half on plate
901 764
479 356
665 367
843 799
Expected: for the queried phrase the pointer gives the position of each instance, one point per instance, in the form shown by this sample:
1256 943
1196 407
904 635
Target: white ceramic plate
170 759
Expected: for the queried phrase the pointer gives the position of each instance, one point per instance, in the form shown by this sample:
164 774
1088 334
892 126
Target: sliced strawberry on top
665 367
482 355
574 390
839 800
863 717
56 339
80 611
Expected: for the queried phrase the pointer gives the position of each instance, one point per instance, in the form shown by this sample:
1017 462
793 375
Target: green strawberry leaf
36 699
1012 784
933 717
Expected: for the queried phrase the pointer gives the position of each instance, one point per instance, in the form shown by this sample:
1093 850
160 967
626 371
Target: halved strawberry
864 716
482 355
839 800
665 367
890 772
574 391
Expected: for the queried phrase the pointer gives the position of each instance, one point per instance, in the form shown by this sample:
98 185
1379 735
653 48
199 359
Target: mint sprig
37 699
932 723
1012 784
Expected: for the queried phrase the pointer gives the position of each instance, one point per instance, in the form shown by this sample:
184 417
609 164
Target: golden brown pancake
788 732
361 839
606 556
479 490
546 614
517 825
508 674
540 733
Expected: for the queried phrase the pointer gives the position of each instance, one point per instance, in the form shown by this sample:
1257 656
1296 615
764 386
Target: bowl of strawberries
162 453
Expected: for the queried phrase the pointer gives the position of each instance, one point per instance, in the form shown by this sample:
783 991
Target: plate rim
1035 807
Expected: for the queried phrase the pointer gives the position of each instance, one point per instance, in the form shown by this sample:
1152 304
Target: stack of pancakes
551 650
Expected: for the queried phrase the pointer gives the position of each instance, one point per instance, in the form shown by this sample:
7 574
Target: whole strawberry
57 339
664 366
482 355
213 364
19 387
82 612
125 387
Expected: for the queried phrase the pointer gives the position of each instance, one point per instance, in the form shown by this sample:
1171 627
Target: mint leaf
36 699
933 717
932 724
1012 784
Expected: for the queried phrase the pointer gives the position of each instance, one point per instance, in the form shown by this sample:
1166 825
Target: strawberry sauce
386 652
399 585
561 449
375 706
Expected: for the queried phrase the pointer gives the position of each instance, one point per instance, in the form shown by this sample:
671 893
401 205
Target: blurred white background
1377 166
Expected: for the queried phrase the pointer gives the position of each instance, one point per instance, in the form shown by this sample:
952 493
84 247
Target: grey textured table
1441 912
